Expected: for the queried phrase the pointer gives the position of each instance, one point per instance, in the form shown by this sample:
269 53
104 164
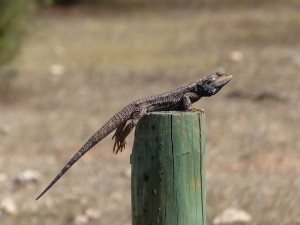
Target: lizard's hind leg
121 134
120 139
119 130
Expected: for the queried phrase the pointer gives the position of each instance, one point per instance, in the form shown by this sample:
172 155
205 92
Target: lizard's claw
191 109
119 145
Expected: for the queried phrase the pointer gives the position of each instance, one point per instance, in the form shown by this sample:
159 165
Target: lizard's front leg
187 104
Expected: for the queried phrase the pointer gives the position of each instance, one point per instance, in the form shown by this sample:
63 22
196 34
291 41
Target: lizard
125 120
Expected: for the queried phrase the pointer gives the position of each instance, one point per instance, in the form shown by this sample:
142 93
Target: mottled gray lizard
178 99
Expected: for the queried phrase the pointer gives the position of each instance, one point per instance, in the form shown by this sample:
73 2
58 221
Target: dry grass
110 58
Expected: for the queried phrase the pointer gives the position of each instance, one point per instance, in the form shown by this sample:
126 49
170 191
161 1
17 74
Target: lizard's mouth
222 80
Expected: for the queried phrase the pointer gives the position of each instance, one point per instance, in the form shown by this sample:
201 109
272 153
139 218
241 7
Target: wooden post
168 170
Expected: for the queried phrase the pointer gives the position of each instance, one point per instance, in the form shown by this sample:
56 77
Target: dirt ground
80 65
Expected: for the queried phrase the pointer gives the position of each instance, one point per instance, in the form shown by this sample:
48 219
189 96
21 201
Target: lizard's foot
119 145
191 109
121 134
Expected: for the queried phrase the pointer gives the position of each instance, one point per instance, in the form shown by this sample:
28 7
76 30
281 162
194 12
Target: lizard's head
211 84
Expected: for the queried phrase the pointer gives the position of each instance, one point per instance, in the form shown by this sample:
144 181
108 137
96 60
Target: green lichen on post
168 170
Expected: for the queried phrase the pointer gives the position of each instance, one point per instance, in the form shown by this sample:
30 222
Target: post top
176 113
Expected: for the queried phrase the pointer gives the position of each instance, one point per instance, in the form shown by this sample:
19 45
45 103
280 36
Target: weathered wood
168 170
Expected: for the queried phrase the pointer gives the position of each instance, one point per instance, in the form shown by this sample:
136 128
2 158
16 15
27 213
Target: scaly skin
178 99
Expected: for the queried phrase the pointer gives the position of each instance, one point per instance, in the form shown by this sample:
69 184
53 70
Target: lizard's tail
107 128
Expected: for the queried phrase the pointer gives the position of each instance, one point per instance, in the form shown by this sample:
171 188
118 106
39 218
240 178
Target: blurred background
67 66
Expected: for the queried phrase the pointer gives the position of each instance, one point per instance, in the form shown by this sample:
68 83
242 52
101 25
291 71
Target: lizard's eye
211 80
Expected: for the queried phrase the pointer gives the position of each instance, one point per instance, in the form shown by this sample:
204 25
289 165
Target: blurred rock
236 56
8 206
90 214
81 219
57 69
25 178
232 216
3 177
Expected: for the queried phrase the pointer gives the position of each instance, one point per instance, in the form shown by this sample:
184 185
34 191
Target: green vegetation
11 27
